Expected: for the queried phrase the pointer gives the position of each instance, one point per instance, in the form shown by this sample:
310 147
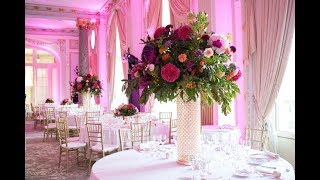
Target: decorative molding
47 11
111 5
74 44
56 32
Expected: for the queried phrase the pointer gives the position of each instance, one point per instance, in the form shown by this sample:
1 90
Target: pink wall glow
227 19
240 100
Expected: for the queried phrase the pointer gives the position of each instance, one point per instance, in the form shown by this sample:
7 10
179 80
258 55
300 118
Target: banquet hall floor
41 159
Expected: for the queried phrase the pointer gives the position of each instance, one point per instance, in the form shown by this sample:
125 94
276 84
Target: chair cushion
71 139
72 127
74 144
51 126
106 147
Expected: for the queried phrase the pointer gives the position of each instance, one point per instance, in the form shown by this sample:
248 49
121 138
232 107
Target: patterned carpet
41 159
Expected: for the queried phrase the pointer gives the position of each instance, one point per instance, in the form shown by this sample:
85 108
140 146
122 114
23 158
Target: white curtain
268 31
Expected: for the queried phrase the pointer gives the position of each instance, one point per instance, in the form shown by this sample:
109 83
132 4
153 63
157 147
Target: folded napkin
268 171
271 154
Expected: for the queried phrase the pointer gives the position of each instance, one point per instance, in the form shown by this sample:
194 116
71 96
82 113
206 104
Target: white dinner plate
256 161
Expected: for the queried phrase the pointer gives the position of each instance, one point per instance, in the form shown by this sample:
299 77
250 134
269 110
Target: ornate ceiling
59 16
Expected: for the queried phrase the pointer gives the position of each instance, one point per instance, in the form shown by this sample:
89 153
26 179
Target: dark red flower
79 86
205 37
233 49
184 32
237 76
159 32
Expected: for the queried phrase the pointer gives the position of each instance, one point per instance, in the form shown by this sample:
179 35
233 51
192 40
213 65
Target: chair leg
60 157
78 157
44 135
67 160
90 151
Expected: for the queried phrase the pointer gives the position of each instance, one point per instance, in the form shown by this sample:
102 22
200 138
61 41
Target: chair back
95 135
141 131
92 116
63 132
63 114
256 136
165 116
127 139
50 115
172 129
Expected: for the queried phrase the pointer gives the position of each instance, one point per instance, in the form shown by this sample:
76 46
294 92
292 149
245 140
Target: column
84 25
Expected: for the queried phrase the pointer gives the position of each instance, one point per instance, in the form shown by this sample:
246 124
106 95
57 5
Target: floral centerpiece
66 101
49 100
190 65
188 60
126 110
86 83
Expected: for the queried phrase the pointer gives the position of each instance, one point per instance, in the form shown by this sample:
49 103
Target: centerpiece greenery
188 60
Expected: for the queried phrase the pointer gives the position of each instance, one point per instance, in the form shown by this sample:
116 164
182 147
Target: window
44 57
40 76
118 96
283 112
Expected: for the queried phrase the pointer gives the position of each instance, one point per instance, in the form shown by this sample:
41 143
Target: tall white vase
188 129
86 100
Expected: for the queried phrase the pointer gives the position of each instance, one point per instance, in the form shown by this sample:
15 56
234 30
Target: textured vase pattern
86 100
188 129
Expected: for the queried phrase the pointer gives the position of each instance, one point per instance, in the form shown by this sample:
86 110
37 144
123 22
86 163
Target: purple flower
189 66
168 43
144 82
198 52
217 43
148 54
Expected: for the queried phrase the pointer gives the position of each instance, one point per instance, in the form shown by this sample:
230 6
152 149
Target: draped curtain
118 19
268 32
153 21
179 10
111 55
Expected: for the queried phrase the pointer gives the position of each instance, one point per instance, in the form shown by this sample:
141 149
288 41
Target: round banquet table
134 165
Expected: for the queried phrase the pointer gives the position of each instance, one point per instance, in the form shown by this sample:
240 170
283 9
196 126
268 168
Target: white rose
88 89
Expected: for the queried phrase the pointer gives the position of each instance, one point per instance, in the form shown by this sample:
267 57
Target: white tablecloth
134 165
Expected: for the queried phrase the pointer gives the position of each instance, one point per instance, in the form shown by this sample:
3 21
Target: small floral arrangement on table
187 60
49 100
86 83
66 101
126 110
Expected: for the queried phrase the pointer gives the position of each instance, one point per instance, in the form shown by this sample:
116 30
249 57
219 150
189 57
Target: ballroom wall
66 48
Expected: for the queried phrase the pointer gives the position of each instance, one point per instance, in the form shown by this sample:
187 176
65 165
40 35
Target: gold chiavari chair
128 138
65 145
49 125
256 136
37 116
172 129
97 144
141 130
